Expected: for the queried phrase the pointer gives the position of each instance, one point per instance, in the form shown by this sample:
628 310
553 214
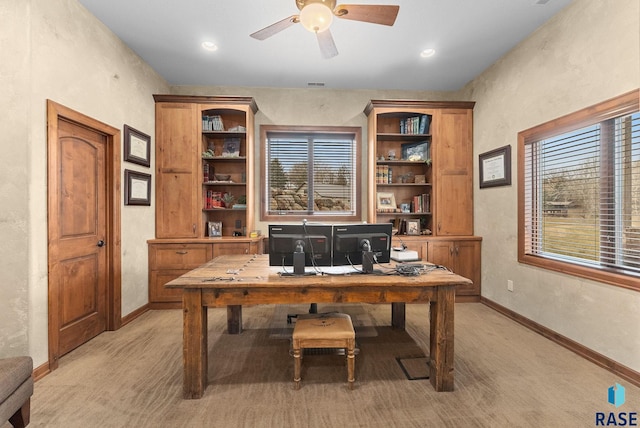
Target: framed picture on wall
137 188
137 146
495 167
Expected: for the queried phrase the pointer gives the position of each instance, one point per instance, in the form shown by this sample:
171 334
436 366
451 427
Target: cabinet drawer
225 248
180 256
158 292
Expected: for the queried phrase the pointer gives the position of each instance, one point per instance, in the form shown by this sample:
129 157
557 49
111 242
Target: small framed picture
416 151
413 227
495 167
214 228
231 148
137 188
137 146
386 201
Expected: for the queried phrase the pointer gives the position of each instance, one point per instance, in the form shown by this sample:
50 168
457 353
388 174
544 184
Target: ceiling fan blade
275 28
327 45
373 13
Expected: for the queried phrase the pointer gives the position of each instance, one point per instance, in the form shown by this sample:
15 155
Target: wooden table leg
398 315
194 338
441 312
234 319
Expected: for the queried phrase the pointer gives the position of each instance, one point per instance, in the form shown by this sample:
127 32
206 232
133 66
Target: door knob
101 243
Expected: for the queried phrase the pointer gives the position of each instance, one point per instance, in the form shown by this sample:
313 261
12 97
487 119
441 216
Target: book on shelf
421 203
415 124
212 123
384 174
205 172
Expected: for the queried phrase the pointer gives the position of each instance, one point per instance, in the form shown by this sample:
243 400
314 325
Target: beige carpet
506 376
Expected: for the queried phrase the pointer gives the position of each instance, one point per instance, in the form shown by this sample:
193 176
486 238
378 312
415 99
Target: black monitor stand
367 257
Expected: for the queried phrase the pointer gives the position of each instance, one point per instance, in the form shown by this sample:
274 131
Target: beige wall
59 51
588 53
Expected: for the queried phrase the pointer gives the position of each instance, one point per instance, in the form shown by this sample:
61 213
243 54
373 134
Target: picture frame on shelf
495 167
386 201
413 227
137 188
214 229
231 148
416 152
137 146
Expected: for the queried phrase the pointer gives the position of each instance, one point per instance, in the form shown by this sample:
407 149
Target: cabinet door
453 160
177 179
158 293
467 264
441 253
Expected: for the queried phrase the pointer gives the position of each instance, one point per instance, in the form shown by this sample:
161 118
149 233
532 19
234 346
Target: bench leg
351 366
20 418
297 363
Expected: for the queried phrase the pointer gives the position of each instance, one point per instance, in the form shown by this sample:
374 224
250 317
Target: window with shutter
579 193
311 172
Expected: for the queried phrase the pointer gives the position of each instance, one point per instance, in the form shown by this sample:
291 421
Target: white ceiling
468 35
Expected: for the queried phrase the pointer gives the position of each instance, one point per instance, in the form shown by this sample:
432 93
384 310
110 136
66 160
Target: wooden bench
332 330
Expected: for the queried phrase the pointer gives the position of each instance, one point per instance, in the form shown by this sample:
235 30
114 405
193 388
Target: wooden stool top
324 326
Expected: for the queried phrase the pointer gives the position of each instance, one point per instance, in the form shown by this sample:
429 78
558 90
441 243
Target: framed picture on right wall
495 167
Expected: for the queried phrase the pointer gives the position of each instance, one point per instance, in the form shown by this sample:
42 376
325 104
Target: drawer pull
182 252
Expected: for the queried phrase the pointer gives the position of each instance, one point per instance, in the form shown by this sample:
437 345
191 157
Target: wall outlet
509 285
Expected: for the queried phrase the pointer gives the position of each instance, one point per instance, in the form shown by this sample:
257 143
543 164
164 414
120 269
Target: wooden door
454 173
178 179
78 268
83 228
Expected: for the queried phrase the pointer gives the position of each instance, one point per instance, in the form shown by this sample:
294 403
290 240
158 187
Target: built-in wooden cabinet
168 259
204 154
462 256
425 152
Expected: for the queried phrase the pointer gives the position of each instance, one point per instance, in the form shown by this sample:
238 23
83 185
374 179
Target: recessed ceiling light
210 46
427 53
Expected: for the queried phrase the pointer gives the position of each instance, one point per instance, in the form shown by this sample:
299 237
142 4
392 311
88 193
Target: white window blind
311 174
582 195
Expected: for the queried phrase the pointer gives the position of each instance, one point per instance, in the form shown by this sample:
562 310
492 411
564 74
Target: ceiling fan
317 15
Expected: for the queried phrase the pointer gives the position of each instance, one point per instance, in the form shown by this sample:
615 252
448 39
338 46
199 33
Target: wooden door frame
55 112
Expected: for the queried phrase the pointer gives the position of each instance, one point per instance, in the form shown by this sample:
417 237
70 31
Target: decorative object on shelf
495 167
231 148
222 177
228 199
416 152
406 178
137 188
209 154
413 227
214 228
387 202
137 146
419 179
392 155
405 208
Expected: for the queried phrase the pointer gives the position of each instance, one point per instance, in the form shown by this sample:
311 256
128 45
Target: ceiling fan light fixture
210 46
428 53
316 17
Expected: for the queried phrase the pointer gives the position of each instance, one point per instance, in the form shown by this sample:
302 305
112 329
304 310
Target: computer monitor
288 241
351 241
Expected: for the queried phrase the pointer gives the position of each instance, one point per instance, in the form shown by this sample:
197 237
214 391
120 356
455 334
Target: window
310 172
579 193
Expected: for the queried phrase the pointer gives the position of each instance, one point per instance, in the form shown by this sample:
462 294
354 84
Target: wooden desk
211 285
